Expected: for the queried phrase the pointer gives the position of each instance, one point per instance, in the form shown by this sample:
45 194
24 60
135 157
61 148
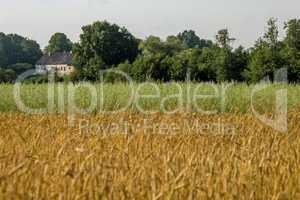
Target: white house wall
60 69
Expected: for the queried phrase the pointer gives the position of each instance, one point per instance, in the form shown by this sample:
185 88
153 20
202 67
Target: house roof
56 59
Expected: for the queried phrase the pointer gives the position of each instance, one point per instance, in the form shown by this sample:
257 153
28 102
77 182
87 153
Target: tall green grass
112 97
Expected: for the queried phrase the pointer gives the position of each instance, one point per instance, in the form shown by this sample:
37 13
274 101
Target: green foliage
91 70
17 49
265 57
170 60
206 64
291 51
239 63
125 67
7 76
154 61
102 45
20 68
182 57
184 65
17 54
185 56
223 64
191 40
58 42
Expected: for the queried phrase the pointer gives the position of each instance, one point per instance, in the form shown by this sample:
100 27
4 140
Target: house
60 62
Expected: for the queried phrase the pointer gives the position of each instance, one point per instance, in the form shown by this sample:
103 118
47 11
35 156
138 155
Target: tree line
103 45
17 54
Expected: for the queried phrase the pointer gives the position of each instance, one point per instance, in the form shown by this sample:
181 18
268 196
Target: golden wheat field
43 157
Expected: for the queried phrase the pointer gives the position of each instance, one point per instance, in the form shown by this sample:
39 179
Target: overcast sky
245 19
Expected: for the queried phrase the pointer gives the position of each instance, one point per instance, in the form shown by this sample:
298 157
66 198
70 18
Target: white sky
245 19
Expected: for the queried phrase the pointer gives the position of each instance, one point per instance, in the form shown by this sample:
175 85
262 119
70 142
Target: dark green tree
224 59
17 49
191 40
154 61
291 50
19 68
104 44
207 64
265 57
5 46
31 51
58 42
185 65
7 76
239 63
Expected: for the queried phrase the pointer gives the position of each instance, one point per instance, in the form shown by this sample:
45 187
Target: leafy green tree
207 64
239 63
19 68
112 76
125 67
59 42
271 36
154 45
17 49
172 45
154 61
109 42
224 59
292 28
4 49
291 50
191 40
185 65
224 64
31 52
7 76
91 70
24 50
148 64
265 57
178 66
140 71
259 64
151 67
102 45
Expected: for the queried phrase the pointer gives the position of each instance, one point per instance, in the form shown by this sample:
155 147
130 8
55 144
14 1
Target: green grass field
169 97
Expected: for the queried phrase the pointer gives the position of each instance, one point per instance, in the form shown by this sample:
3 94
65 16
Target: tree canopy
59 42
191 40
17 49
17 54
204 60
103 45
265 57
